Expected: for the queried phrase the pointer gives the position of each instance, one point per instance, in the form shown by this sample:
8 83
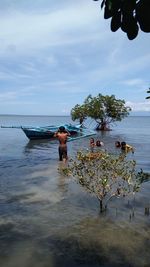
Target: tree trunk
102 206
81 121
102 126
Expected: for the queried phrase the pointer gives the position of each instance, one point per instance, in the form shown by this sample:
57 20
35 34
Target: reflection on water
39 143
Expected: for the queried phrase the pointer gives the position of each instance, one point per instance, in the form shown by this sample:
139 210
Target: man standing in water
62 135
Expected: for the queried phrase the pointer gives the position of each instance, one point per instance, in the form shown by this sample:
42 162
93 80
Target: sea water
48 220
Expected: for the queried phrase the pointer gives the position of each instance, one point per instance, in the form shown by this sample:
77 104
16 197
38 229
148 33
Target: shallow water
47 220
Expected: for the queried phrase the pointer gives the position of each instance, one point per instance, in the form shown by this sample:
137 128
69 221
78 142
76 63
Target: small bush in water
105 175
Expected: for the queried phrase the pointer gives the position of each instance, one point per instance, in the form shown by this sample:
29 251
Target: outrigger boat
47 132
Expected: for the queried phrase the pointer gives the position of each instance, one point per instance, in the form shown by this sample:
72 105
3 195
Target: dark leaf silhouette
116 22
129 15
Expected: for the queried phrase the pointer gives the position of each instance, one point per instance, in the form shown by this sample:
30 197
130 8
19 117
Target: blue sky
53 54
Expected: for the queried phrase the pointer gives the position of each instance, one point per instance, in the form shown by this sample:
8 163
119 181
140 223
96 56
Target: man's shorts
62 153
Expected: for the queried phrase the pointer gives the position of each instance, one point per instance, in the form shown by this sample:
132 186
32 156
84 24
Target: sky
53 54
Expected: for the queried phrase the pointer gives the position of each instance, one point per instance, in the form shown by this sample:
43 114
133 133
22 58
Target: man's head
62 129
123 145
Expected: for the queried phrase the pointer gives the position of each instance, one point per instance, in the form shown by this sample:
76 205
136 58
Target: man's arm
68 134
56 134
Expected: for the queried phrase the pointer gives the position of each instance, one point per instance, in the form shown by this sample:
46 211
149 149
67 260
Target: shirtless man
62 135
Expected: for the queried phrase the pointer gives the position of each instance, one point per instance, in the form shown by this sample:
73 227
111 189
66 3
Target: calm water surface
47 220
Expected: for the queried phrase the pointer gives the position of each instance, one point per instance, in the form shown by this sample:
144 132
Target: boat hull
45 133
35 135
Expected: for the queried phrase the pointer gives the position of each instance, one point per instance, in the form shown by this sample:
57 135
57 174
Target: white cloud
122 69
15 95
133 82
14 75
25 31
5 75
8 96
139 106
140 85
65 51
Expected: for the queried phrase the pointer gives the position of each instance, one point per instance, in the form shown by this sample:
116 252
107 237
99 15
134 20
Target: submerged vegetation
105 175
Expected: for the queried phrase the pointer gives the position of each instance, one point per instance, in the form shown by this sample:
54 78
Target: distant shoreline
35 115
147 114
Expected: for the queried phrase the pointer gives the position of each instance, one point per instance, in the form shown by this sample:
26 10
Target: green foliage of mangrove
105 110
105 175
